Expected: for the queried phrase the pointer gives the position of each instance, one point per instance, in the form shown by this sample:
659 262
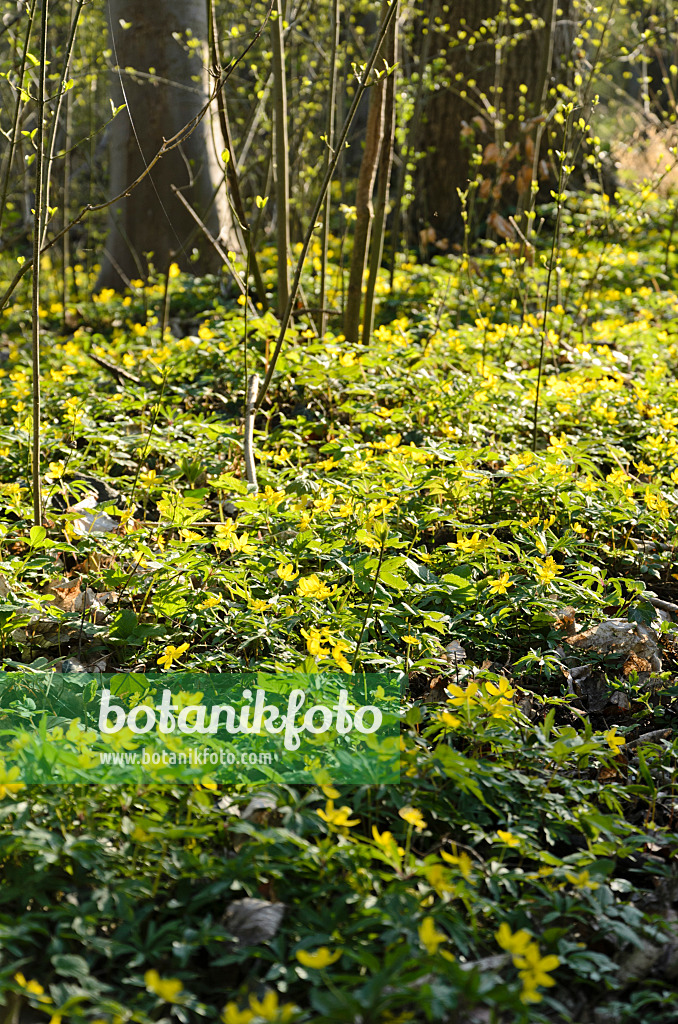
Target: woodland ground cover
524 869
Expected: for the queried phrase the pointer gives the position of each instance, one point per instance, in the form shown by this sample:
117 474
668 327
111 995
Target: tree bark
383 181
170 90
364 206
489 101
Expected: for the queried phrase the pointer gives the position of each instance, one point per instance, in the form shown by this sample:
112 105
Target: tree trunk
364 206
482 123
158 40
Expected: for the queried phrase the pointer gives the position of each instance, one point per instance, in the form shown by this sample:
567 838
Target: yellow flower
224 531
534 971
232 1015
547 569
380 507
148 478
314 640
286 572
508 838
172 654
513 942
463 862
166 988
413 817
8 787
341 660
437 877
429 937
558 444
469 544
321 958
338 817
269 1009
386 841
459 695
257 605
56 470
501 689
241 543
581 881
312 586
614 742
34 987
273 498
501 585
451 721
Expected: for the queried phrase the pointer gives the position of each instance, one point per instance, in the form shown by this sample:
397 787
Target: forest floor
412 519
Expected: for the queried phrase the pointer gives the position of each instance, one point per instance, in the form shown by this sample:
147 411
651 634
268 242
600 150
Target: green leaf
70 966
37 536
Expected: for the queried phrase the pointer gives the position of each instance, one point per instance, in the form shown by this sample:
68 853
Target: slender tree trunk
281 161
495 83
169 90
383 182
329 142
364 206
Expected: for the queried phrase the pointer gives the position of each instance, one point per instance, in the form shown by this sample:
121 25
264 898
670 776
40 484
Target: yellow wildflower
513 942
270 1010
614 742
547 569
286 572
413 817
8 786
429 937
167 989
318 960
172 654
500 585
508 838
337 817
340 658
463 862
581 881
312 586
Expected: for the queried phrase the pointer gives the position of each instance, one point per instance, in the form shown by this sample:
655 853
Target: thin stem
383 182
281 162
329 142
372 593
17 112
321 199
231 170
61 92
37 237
549 277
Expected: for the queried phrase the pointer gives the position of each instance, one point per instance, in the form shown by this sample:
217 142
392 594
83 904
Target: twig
248 443
117 371
666 606
359 92
217 248
38 214
648 737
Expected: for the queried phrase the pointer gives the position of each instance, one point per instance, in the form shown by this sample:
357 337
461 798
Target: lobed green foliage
525 866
